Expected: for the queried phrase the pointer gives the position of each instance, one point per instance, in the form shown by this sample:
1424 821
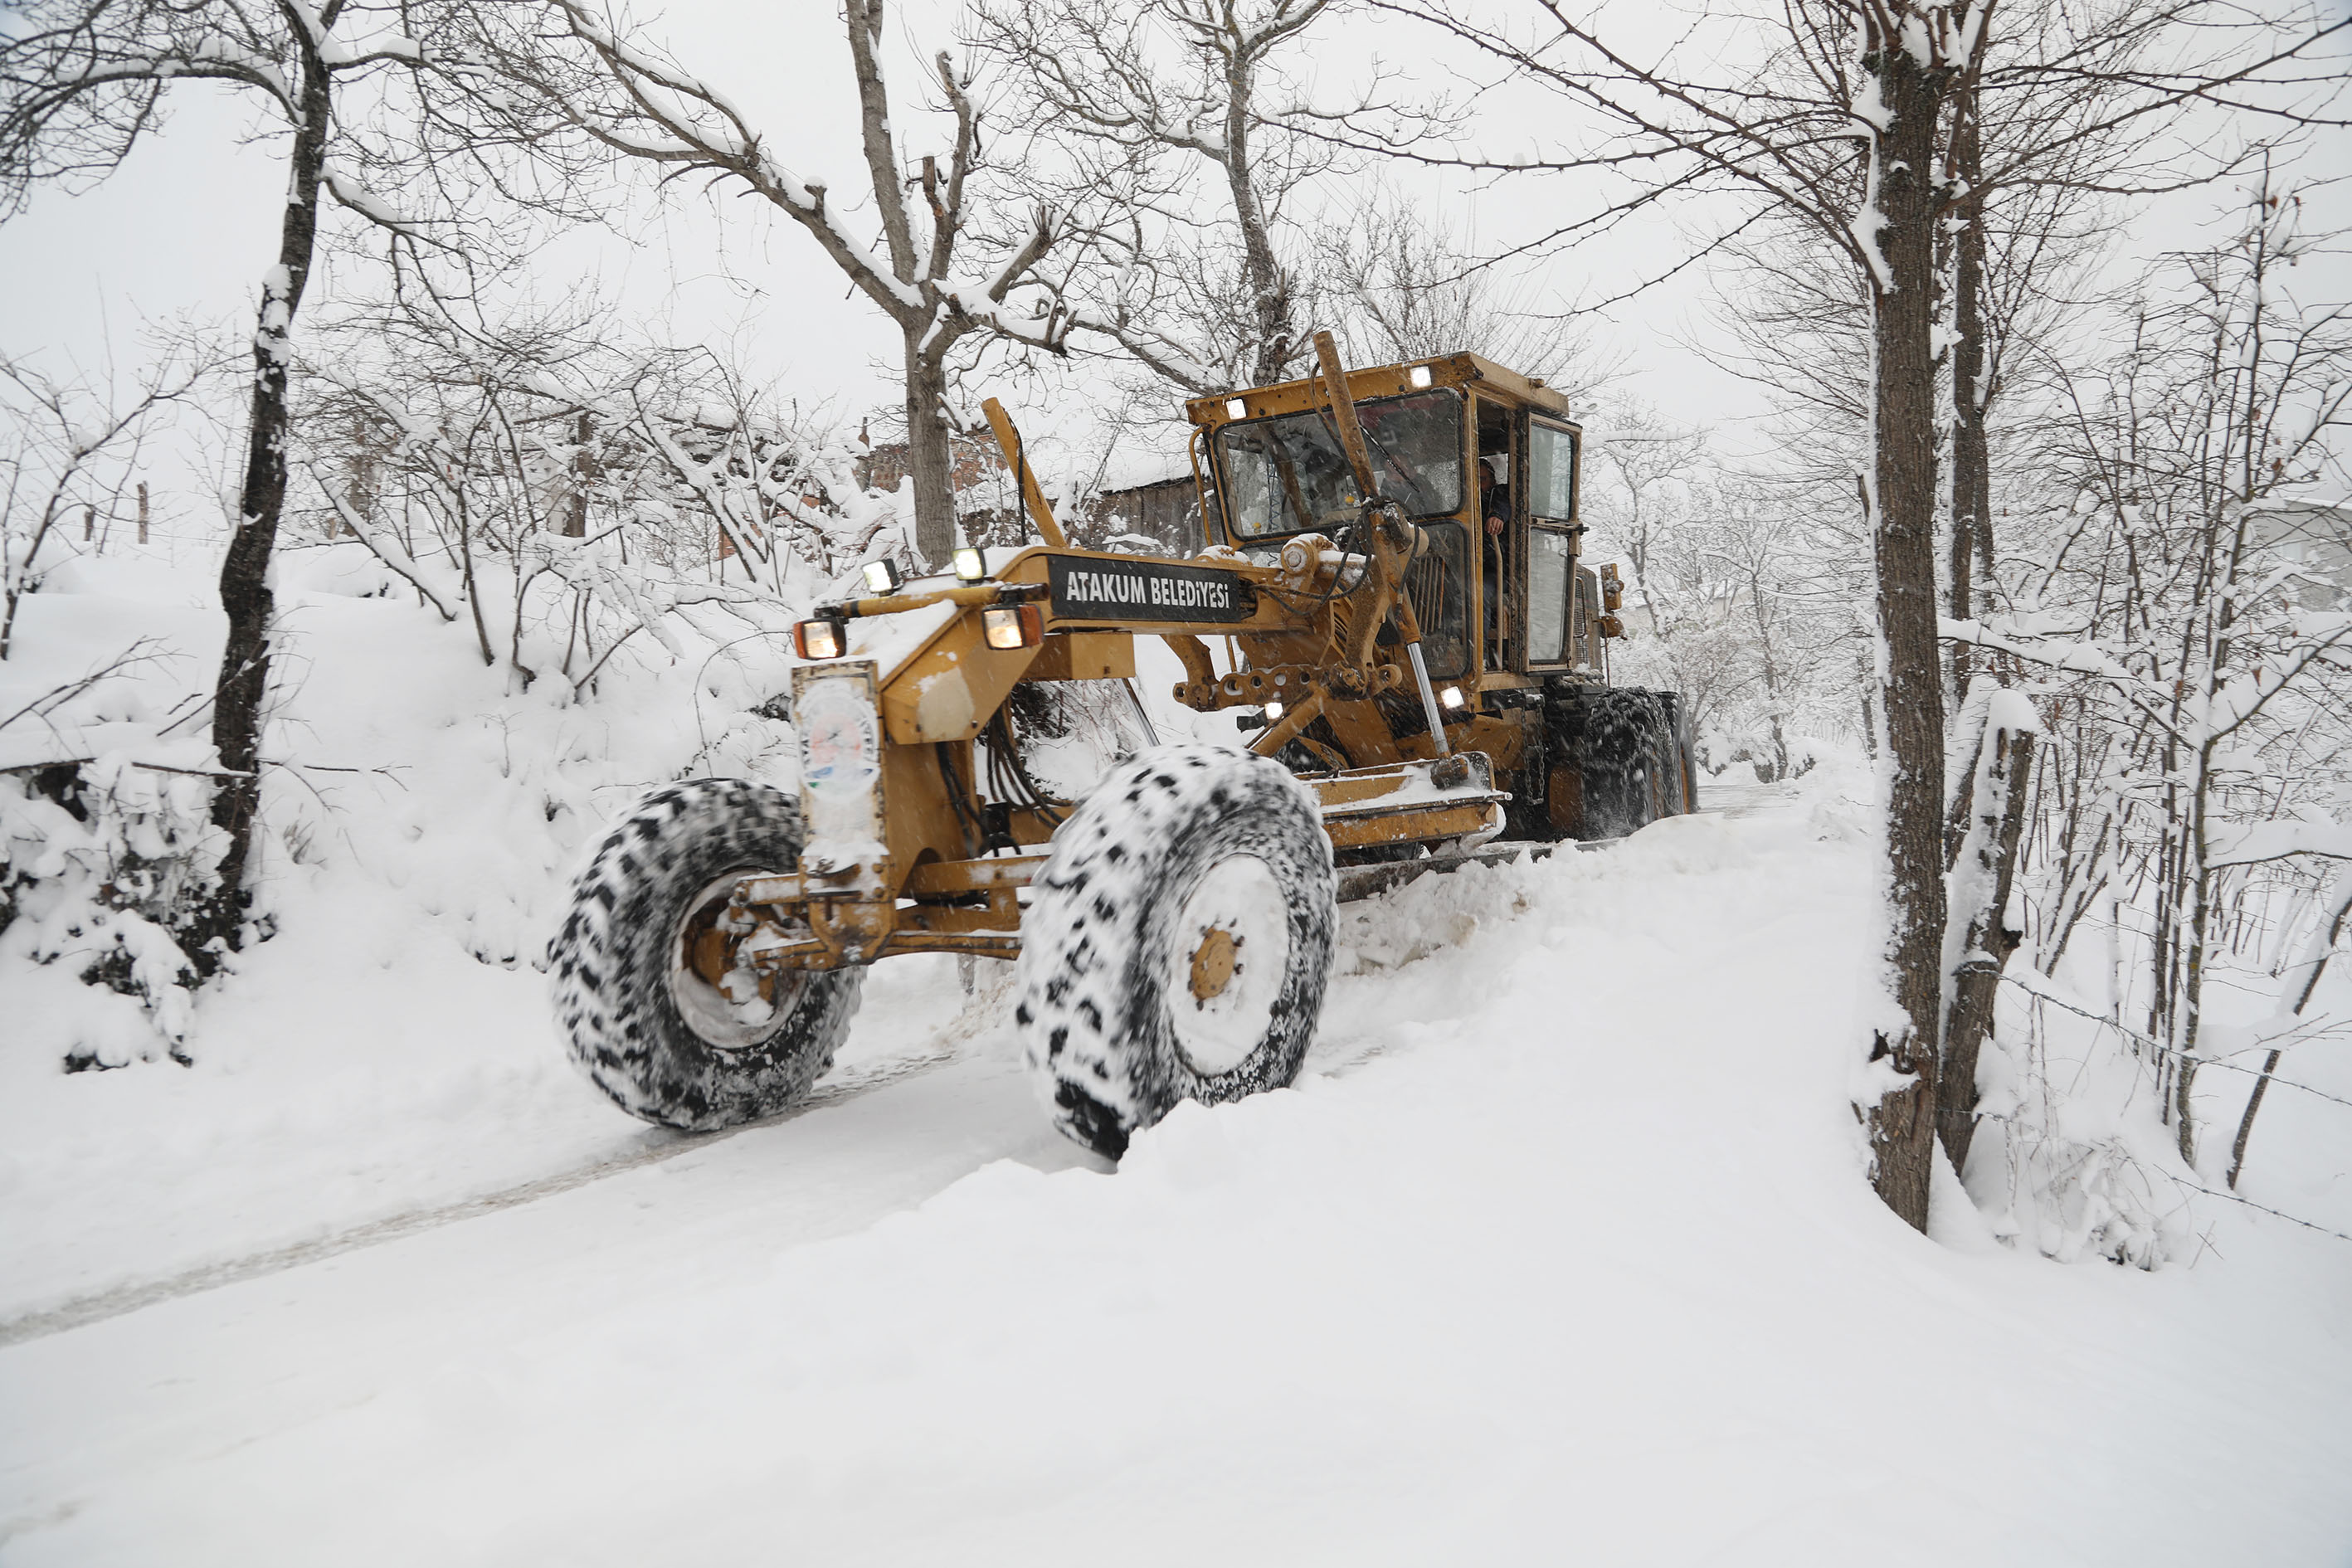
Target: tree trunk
243 683
928 459
1972 458
1902 1123
2330 931
1978 984
1277 335
584 471
2197 915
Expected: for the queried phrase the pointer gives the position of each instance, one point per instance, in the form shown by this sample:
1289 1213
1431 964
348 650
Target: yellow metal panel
1461 369
1084 656
1349 789
948 691
923 824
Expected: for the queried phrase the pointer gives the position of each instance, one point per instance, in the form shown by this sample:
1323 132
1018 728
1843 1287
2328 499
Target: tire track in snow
662 1146
1334 1061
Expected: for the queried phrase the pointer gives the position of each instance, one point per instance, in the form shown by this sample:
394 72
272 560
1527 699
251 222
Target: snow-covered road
628 1155
1558 1252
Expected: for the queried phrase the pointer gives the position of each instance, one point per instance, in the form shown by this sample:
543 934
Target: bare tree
81 81
2333 913
709 489
1837 115
1842 129
1210 289
954 254
72 449
1746 599
1648 459
2212 691
1399 289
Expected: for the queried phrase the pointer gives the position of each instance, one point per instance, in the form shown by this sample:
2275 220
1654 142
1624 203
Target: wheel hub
1215 964
711 941
711 953
1229 947
721 998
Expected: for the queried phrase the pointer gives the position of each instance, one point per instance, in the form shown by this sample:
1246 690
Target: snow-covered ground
1561 1248
1558 1251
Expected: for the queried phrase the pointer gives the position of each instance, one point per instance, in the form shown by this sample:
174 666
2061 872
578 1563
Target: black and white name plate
1145 590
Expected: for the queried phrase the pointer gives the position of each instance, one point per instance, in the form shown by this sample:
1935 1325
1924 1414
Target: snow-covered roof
1132 466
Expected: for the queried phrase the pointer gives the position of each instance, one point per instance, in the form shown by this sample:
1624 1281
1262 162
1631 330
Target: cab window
1550 563
1551 472
1286 474
1552 541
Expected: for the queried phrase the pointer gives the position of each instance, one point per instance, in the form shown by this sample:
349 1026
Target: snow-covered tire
1175 847
1633 756
646 1029
1625 746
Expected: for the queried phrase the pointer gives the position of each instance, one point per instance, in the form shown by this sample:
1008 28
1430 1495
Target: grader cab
1416 651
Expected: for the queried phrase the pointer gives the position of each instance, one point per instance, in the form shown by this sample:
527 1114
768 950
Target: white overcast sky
188 224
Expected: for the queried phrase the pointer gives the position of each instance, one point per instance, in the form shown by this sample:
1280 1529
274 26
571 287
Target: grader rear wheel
1178 943
1618 761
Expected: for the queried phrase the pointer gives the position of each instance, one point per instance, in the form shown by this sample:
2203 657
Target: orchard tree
1397 288
2207 663
68 451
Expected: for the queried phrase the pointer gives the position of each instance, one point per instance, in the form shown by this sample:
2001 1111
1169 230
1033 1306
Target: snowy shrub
2073 1158
557 477
99 863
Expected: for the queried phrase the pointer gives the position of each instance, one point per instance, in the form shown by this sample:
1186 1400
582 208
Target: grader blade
1365 881
1452 801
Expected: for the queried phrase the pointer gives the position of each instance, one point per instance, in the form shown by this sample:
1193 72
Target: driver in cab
1495 509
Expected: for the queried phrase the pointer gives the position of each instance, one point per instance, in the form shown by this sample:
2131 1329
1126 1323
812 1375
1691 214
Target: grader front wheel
1178 944
649 997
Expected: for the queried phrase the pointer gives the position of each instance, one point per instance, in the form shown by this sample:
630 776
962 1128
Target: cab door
1554 533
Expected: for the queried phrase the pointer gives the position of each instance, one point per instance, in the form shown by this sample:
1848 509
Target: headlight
1011 625
820 639
970 565
1452 696
882 576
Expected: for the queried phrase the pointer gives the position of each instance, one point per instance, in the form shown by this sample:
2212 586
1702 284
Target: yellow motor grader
1395 584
